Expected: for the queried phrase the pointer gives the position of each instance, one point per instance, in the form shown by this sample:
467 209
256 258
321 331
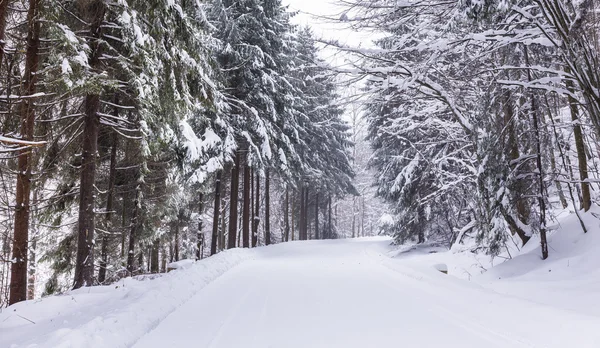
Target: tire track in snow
444 313
232 314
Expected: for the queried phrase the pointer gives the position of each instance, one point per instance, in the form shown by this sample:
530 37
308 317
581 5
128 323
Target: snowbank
569 279
113 316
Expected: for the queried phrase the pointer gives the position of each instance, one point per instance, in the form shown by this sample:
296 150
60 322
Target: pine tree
18 283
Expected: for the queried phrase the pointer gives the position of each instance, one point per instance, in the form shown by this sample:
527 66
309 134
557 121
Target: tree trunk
140 267
246 207
163 261
353 217
109 205
317 216
302 216
558 185
223 226
330 227
301 220
200 237
84 265
305 227
32 249
239 234
154 266
586 200
559 146
362 217
176 241
31 270
286 217
256 219
149 265
541 197
133 232
267 208
216 211
540 168
125 200
3 15
18 268
292 216
523 208
233 202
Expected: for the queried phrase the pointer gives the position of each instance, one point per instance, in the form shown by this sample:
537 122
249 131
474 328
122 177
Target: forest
137 133
484 116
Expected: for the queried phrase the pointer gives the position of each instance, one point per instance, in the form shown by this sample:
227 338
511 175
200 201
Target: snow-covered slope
113 315
345 293
568 279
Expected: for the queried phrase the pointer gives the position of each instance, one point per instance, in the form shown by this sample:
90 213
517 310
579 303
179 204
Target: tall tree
216 212
93 12
233 202
18 281
246 206
256 213
267 208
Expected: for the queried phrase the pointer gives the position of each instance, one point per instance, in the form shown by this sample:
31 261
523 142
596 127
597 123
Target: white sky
323 17
318 14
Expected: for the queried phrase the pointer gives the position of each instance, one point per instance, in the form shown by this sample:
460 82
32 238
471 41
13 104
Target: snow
343 293
386 220
183 264
70 35
82 59
66 67
115 315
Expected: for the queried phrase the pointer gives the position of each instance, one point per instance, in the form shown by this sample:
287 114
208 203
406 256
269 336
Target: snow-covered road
348 294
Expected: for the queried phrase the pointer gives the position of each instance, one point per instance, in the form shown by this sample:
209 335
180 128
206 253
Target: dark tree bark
125 199
286 217
256 218
31 270
239 233
200 237
293 215
176 241
542 196
305 221
233 202
154 266
140 267
163 261
362 217
586 200
353 217
133 231
302 215
540 168
510 119
223 227
3 15
246 208
94 12
109 205
267 208
216 211
330 226
149 265
18 268
317 216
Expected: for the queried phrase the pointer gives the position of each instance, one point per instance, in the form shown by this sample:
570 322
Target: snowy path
346 294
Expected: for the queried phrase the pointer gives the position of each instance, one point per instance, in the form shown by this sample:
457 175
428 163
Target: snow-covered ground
345 293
